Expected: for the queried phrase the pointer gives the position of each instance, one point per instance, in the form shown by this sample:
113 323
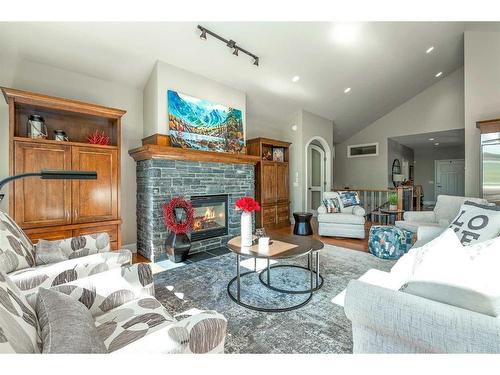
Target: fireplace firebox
210 216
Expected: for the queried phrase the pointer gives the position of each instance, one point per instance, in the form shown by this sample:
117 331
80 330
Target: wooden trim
269 141
64 143
148 151
46 101
157 139
73 226
489 126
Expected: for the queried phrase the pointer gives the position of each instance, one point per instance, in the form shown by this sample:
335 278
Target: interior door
95 200
450 177
315 177
41 202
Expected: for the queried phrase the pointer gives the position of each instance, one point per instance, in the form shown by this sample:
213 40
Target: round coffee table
280 248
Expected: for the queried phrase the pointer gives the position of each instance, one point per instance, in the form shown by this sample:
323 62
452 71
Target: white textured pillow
405 267
476 223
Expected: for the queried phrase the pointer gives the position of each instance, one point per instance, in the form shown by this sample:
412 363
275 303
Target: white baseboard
131 246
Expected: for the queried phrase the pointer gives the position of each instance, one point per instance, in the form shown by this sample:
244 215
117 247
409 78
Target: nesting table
281 248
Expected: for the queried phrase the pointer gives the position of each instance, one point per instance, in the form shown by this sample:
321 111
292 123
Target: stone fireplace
212 185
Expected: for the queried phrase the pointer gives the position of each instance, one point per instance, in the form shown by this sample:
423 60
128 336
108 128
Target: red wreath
170 219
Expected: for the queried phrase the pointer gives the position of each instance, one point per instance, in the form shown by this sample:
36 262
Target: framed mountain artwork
204 125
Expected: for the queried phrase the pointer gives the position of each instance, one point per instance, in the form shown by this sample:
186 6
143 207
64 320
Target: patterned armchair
51 263
127 316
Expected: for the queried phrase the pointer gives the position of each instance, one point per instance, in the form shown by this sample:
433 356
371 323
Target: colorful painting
203 125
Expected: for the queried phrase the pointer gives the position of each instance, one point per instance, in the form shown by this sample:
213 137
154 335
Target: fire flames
200 221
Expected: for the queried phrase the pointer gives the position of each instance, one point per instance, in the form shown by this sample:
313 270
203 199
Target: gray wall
396 150
482 96
168 77
424 165
57 82
439 107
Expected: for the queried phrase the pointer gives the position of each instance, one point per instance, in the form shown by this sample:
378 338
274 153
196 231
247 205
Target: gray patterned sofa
127 316
51 263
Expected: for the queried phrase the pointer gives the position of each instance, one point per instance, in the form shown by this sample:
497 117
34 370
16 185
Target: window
358 151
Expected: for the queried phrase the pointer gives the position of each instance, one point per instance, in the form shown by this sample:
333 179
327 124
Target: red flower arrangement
170 218
247 204
98 138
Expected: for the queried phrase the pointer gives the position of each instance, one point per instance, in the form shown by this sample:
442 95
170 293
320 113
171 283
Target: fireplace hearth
210 216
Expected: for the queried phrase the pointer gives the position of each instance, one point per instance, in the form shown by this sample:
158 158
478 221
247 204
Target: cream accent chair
430 224
349 222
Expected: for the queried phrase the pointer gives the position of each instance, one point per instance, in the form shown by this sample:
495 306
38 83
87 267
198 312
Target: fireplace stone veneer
159 180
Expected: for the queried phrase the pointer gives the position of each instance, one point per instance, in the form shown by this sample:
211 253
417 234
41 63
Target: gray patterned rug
318 327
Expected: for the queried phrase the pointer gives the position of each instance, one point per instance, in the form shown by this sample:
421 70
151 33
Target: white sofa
430 224
349 222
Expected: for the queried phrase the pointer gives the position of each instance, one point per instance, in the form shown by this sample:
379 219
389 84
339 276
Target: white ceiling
446 138
384 63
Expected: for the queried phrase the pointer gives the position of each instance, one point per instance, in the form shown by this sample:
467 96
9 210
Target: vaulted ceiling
384 64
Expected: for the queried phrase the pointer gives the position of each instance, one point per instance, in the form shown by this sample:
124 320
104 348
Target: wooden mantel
158 147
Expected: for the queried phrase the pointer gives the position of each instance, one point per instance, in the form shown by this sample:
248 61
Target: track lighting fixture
229 43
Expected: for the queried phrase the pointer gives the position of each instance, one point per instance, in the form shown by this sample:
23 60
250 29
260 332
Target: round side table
302 225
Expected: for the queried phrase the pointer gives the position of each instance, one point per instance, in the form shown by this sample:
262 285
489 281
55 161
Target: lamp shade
398 177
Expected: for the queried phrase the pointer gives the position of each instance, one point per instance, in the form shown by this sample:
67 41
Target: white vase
246 229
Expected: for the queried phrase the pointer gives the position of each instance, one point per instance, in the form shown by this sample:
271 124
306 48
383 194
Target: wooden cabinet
271 182
57 209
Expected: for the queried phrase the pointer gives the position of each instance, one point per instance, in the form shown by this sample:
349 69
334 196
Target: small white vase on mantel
246 229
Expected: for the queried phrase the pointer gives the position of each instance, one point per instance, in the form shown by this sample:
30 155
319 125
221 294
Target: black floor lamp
52 175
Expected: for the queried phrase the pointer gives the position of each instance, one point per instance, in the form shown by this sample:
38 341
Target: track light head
231 43
235 52
203 34
256 61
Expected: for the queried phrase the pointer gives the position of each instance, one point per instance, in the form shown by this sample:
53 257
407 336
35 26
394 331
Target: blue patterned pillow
349 198
332 205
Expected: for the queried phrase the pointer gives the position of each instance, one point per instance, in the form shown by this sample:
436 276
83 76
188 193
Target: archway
314 147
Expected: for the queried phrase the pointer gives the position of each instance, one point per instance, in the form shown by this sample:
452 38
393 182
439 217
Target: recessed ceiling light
431 139
430 49
438 74
295 79
347 90
436 144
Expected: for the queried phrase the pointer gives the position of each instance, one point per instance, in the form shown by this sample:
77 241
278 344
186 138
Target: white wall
169 77
424 166
439 107
57 82
482 96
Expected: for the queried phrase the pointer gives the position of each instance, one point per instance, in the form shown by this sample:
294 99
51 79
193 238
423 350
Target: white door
450 177
316 177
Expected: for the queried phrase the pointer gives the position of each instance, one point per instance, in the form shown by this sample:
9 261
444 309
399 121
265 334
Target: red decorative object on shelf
247 204
171 219
98 138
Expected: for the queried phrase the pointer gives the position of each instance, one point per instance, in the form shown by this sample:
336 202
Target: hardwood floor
350 243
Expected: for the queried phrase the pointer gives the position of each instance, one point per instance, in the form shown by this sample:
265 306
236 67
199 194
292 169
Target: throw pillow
332 205
66 325
349 198
476 223
16 250
48 252
454 295
18 322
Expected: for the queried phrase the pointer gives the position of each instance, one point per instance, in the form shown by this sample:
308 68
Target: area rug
318 327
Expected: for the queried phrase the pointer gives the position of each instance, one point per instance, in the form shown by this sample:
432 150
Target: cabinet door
282 214
35 235
268 182
282 182
41 202
95 200
269 216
